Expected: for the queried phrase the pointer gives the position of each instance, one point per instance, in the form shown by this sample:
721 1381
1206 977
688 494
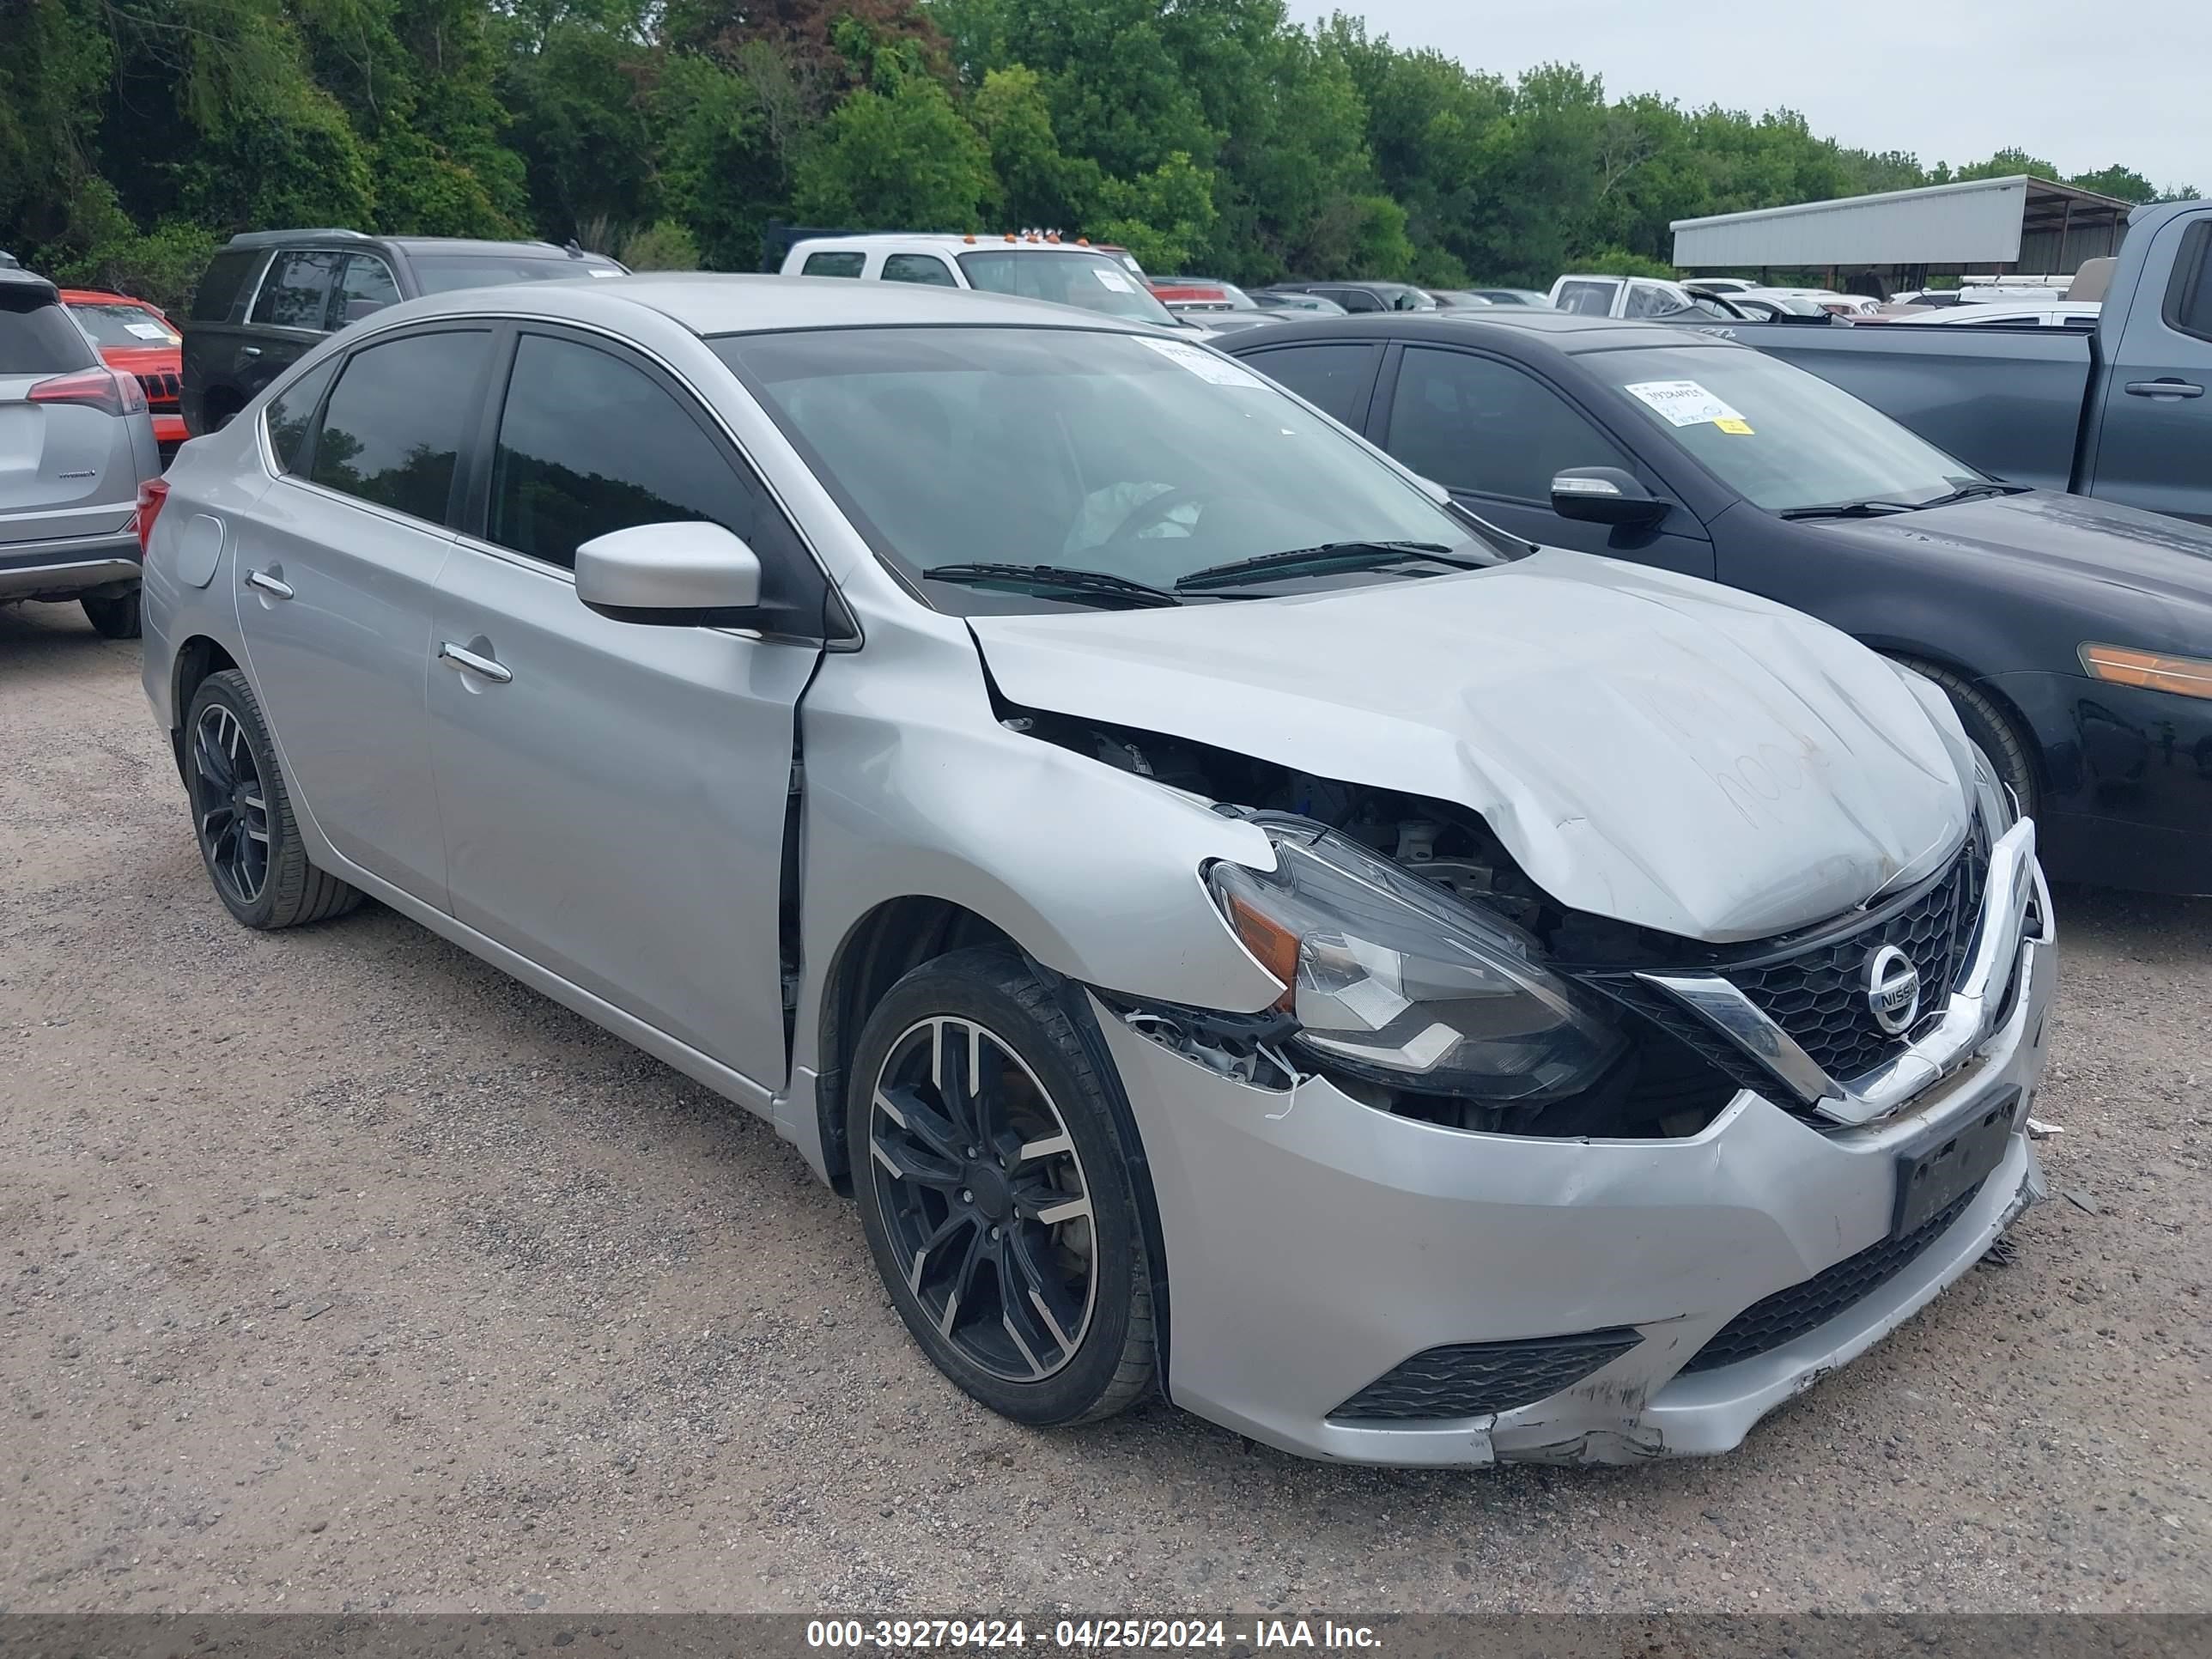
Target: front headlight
1393 980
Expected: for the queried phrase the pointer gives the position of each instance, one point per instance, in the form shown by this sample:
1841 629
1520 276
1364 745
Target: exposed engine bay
1658 1088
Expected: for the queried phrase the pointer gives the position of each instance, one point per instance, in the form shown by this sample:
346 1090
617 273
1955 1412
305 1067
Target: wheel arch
198 657
1914 654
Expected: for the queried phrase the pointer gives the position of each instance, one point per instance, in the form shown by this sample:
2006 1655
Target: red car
134 337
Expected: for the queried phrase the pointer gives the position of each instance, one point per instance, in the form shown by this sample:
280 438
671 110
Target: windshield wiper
1338 556
1066 579
1978 487
1849 510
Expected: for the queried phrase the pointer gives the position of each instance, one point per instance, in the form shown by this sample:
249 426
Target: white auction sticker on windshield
1684 403
1112 278
1219 371
148 331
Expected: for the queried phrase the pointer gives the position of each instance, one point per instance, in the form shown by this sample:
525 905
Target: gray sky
2081 85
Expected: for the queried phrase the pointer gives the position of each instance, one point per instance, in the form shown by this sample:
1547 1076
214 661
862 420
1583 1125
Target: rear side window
1331 378
833 264
2188 296
36 334
1351 299
392 432
924 268
220 285
1476 424
296 292
1588 298
292 416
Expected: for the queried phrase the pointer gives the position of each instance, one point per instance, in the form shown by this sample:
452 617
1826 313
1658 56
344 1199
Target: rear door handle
2163 389
268 584
457 656
249 351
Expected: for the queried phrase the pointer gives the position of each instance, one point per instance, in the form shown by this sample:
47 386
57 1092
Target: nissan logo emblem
1893 989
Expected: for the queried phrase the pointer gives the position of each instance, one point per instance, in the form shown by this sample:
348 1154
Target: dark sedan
2073 636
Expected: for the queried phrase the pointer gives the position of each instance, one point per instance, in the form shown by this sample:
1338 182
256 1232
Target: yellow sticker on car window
1742 428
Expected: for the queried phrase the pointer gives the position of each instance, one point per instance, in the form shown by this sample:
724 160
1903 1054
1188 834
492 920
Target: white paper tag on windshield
1218 371
599 270
1684 403
1112 278
148 331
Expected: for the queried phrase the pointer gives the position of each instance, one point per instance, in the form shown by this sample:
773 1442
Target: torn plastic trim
1248 1049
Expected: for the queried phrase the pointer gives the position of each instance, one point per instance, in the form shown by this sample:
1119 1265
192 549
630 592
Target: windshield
441 273
113 324
1066 276
1144 458
1781 437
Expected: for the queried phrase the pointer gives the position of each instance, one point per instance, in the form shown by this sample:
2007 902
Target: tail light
107 390
152 493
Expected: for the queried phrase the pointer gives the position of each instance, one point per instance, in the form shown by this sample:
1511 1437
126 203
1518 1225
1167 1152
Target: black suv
270 294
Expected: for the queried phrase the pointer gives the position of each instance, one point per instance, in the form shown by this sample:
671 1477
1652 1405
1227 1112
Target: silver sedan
1234 925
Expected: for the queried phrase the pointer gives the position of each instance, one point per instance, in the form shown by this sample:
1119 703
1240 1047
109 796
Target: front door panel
614 807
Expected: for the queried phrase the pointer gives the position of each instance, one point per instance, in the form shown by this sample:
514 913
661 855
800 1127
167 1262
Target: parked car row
1189 838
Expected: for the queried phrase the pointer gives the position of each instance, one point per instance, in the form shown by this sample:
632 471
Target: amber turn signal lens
2189 676
1275 946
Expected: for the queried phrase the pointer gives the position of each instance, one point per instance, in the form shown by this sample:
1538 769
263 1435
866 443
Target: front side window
589 443
291 415
1066 277
833 264
218 289
1129 454
924 268
296 292
1477 424
1779 436
366 288
1331 378
392 431
1649 300
1352 298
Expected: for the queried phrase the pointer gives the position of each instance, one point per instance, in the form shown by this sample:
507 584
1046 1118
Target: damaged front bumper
1324 1255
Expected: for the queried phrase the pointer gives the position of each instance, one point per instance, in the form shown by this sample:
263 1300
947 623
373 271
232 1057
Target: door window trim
2190 275
841 627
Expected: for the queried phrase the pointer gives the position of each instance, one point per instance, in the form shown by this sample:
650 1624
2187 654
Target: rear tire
113 618
1991 729
1001 1217
242 815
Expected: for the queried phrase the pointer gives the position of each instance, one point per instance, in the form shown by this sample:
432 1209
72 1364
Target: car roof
100 296
1559 330
717 303
16 276
251 239
946 239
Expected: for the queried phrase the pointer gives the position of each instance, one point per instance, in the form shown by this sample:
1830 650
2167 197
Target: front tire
1989 728
995 1191
243 817
115 618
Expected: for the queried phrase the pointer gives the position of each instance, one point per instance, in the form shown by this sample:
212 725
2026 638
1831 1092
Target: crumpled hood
1649 747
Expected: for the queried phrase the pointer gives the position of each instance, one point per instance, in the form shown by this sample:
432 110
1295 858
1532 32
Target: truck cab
1029 264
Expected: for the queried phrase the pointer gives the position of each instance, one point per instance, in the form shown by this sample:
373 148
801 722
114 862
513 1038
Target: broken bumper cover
1313 1244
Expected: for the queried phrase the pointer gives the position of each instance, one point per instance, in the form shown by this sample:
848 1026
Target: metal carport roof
2016 221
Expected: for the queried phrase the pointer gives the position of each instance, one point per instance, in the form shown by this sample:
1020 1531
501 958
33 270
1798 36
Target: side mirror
692 574
1604 495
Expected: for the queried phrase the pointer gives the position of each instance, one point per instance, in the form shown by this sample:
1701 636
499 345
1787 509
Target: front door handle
273 587
249 351
2163 389
457 656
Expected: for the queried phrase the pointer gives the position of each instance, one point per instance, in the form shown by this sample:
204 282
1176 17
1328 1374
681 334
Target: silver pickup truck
2121 413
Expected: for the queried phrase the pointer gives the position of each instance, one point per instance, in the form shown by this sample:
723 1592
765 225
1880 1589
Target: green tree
901 159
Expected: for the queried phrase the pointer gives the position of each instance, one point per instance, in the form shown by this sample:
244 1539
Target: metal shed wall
1974 223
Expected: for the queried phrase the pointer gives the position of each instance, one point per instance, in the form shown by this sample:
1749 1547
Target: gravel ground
342 1271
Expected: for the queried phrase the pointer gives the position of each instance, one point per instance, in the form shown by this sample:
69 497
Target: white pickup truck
1032 265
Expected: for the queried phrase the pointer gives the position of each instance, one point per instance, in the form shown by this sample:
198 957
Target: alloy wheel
983 1197
231 803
